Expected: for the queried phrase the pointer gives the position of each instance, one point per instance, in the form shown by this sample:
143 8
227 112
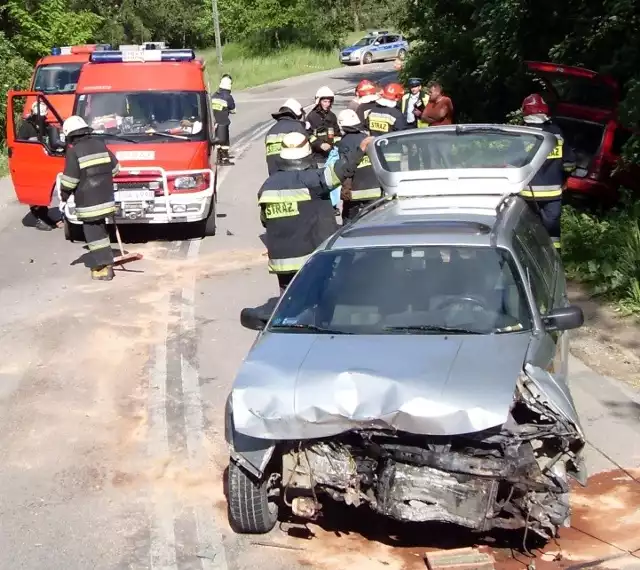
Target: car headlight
185 182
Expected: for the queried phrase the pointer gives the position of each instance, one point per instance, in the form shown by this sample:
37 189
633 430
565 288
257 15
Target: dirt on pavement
608 342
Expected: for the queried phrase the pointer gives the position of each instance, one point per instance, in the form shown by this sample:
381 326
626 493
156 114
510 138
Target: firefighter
295 208
322 124
363 188
544 193
367 94
89 169
30 130
414 103
385 118
223 105
289 119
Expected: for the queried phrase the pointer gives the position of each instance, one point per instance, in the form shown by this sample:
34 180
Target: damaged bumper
512 476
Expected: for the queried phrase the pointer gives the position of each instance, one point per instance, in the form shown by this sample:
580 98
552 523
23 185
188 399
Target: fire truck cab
152 108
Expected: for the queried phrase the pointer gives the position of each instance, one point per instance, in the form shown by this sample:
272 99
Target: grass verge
249 70
4 163
603 253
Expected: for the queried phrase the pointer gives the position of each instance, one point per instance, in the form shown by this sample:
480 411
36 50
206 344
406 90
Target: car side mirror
253 320
376 43
563 319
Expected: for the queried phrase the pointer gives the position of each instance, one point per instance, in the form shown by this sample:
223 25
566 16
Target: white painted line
209 538
162 551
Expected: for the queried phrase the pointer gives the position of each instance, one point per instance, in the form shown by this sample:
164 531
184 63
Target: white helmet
295 106
225 82
72 124
39 108
324 93
295 146
348 118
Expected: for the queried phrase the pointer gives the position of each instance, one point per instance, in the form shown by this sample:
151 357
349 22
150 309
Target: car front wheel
367 58
402 54
249 509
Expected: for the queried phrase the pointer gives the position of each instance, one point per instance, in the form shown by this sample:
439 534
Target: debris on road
459 559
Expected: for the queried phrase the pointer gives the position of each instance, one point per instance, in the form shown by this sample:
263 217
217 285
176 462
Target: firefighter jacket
548 182
89 168
382 120
273 141
363 111
323 128
297 213
421 105
222 104
364 184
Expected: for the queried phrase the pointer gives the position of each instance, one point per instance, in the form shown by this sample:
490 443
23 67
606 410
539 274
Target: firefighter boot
104 273
224 157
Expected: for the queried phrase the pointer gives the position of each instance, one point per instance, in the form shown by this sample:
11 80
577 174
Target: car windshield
57 78
406 290
583 91
363 42
471 148
164 115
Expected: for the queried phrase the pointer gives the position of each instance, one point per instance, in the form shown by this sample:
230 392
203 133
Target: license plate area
134 195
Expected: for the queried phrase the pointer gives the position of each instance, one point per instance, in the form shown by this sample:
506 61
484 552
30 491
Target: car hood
351 49
304 386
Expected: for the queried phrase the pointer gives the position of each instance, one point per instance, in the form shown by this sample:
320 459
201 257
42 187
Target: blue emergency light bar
143 55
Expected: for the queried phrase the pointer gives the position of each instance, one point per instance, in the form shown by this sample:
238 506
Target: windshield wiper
114 136
430 328
168 135
313 328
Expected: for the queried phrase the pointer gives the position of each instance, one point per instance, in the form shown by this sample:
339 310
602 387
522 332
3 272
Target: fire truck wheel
208 225
73 232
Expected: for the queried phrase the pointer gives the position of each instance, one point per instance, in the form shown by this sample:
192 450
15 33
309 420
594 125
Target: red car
585 106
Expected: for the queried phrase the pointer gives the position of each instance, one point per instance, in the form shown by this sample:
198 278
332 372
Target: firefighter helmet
348 118
366 87
324 93
534 104
73 124
225 82
295 146
393 92
294 106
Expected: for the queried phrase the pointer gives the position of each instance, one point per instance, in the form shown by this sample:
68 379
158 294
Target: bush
603 252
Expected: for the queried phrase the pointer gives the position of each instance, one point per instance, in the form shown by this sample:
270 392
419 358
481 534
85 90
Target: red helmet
393 92
534 105
365 87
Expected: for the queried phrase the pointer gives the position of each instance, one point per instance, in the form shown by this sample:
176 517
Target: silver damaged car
417 364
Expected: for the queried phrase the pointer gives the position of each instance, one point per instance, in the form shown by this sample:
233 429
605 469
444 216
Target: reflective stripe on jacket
297 211
273 140
323 128
222 103
382 120
424 99
548 182
89 168
364 185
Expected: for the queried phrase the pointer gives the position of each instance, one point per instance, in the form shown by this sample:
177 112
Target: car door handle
10 152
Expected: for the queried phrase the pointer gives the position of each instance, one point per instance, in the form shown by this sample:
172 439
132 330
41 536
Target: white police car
375 46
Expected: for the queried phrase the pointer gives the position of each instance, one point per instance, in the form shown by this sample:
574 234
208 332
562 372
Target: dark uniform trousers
88 174
297 214
364 187
273 140
382 120
222 104
544 193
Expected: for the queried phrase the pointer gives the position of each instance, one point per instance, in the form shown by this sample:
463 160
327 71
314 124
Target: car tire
249 509
402 54
73 232
208 225
367 58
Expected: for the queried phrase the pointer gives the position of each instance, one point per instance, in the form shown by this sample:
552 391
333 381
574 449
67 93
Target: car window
57 78
536 239
539 287
387 290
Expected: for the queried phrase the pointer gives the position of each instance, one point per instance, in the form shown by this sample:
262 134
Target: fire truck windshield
165 116
57 78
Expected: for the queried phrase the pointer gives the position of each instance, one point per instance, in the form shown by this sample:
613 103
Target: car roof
482 220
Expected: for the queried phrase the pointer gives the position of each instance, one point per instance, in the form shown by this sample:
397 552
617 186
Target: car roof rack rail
385 199
506 201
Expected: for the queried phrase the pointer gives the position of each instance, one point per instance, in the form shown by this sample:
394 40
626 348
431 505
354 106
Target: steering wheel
463 300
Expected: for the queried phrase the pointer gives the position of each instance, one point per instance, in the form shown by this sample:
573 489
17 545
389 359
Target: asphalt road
112 394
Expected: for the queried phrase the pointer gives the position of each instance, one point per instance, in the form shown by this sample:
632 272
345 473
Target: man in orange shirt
439 110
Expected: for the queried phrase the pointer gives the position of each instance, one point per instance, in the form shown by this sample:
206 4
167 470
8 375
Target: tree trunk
277 39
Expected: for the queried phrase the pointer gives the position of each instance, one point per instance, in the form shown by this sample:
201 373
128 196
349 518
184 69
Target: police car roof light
142 55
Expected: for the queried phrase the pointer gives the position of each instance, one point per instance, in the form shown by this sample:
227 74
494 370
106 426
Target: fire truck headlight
185 182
